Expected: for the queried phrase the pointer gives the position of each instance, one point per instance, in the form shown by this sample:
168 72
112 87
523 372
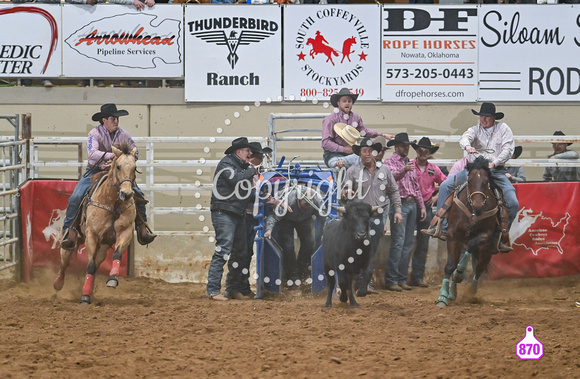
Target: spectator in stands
429 176
334 143
228 210
402 233
373 183
495 141
515 173
100 154
304 203
562 174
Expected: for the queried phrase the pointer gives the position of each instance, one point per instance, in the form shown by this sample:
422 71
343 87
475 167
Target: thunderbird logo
246 37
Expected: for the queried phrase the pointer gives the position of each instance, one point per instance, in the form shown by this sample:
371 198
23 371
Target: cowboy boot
504 243
435 227
144 234
70 237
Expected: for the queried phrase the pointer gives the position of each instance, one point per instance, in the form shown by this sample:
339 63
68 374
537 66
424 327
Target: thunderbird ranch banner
233 53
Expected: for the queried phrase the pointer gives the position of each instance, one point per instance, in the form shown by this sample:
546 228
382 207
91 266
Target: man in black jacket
232 187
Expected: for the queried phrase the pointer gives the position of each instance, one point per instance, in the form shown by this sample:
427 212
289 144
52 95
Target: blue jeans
402 241
81 189
379 229
251 222
421 247
230 240
509 192
296 267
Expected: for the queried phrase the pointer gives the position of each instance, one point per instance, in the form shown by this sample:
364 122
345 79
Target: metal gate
11 170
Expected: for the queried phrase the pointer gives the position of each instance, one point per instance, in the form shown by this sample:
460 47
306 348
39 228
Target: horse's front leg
479 266
453 252
64 262
95 260
123 239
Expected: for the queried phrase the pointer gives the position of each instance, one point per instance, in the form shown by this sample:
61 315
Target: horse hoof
85 300
113 283
441 304
58 283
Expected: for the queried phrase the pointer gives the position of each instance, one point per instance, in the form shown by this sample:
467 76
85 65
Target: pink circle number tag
529 348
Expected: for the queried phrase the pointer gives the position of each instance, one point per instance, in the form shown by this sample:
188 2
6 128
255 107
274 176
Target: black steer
346 249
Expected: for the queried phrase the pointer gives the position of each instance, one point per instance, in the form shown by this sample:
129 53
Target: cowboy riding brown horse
109 220
473 230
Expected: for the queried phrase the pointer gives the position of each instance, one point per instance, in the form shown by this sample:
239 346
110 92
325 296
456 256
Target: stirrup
148 237
68 243
434 231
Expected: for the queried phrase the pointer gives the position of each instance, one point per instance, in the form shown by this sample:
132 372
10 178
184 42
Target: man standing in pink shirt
402 238
428 175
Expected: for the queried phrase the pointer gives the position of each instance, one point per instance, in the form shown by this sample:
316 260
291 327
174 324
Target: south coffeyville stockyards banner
424 53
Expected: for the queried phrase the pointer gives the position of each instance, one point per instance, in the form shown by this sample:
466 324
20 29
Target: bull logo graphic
246 37
52 231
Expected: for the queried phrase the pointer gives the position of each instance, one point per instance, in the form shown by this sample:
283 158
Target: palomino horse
473 229
110 217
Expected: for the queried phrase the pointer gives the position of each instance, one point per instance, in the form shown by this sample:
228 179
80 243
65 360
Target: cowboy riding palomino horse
474 229
109 220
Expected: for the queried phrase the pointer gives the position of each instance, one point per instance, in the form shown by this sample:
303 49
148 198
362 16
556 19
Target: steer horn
376 211
340 210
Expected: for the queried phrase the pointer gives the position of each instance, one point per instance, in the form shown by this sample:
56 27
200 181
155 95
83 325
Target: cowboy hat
400 138
347 133
425 142
343 92
238 143
561 133
517 152
257 148
109 110
366 142
488 109
382 140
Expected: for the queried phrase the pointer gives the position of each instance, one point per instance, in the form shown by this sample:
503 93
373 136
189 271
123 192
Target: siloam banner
29 41
117 41
233 53
529 53
429 53
329 47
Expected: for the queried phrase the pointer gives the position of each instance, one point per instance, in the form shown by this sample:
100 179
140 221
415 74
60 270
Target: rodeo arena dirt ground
152 329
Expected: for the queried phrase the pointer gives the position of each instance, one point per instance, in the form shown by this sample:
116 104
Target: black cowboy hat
425 142
257 148
343 92
517 152
400 138
109 110
356 148
561 133
488 109
238 143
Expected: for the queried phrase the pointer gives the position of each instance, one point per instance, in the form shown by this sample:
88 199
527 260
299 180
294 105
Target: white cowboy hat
347 133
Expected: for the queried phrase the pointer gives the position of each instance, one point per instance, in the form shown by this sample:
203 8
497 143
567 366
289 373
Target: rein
468 213
106 207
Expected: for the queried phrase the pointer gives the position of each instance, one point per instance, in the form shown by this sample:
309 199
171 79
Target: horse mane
124 147
480 163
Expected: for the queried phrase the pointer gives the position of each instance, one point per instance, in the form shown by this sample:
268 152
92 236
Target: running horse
109 220
473 229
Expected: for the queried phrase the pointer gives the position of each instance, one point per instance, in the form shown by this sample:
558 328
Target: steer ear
340 210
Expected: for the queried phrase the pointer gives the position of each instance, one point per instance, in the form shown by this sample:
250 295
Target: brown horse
473 229
110 217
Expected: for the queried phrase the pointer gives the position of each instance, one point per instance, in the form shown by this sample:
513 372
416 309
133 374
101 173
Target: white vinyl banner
329 47
233 53
30 44
429 53
117 41
529 53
